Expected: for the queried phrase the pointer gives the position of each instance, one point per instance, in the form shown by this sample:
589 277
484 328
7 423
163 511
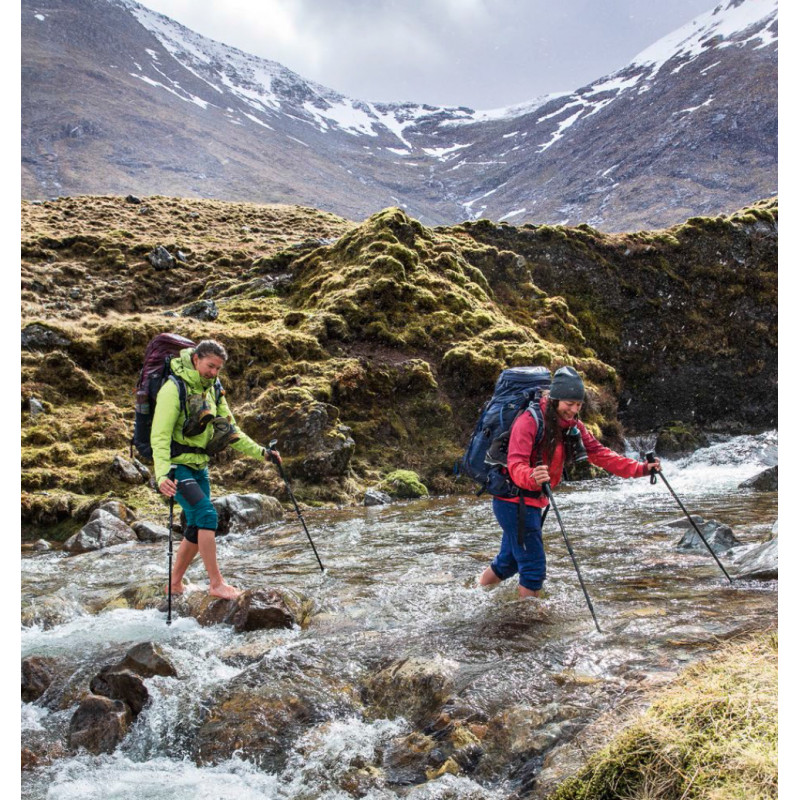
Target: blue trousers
527 559
200 514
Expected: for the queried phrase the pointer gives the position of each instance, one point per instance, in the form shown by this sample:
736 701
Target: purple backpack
155 371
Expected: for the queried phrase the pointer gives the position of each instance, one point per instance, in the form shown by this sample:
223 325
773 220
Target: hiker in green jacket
182 439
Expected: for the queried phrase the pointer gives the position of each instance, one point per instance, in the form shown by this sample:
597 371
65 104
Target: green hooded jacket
168 420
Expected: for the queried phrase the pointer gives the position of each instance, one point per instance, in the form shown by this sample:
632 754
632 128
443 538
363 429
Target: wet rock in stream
99 724
414 688
37 675
758 563
266 708
253 610
719 537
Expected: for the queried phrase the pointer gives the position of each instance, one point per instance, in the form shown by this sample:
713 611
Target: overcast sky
478 53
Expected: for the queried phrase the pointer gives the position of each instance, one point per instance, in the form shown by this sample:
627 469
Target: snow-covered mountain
119 99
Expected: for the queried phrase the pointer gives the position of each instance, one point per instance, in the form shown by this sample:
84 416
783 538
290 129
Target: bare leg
208 552
523 592
186 553
489 577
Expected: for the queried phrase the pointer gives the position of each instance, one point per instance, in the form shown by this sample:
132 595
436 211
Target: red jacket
522 458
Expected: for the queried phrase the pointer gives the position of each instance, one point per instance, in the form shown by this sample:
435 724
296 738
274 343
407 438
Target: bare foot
224 591
177 588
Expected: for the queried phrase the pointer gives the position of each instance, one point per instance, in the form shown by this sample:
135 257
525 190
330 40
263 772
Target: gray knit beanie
567 385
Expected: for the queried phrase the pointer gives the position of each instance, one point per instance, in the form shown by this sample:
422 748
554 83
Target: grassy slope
713 735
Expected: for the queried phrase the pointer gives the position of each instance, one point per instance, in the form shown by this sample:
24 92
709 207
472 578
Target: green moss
403 483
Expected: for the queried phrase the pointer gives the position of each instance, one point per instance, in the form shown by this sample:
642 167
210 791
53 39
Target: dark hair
211 347
553 433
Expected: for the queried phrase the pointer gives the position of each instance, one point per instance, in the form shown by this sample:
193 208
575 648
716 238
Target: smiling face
568 409
208 366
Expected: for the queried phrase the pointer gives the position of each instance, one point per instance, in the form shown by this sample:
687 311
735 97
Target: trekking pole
651 457
171 476
549 492
278 464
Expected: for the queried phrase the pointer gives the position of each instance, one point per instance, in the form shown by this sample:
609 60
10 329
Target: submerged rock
414 688
99 724
261 715
766 481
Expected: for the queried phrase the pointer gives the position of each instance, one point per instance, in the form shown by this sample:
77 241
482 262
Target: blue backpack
518 389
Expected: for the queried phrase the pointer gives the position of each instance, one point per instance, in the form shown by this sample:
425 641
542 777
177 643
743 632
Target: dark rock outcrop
161 258
677 439
126 471
39 337
121 684
202 309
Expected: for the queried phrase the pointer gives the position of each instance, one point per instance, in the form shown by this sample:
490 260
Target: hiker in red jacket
521 549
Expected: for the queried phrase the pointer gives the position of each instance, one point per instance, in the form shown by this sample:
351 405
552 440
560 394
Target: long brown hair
553 433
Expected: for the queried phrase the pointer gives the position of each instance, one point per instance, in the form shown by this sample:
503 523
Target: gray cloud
479 53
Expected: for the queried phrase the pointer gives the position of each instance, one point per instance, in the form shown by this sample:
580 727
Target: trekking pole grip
651 459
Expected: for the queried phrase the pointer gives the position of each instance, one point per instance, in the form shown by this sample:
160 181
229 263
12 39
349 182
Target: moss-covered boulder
403 483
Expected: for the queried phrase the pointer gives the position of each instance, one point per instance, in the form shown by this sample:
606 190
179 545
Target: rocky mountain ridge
117 98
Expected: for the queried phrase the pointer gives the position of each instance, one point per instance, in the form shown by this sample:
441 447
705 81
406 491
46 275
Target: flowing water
400 581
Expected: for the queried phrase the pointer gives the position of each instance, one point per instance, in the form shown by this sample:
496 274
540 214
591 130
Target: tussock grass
713 735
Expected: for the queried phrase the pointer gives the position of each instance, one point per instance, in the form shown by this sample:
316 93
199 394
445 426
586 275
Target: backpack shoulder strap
535 410
181 391
218 391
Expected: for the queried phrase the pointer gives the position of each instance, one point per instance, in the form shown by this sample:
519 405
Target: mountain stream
400 583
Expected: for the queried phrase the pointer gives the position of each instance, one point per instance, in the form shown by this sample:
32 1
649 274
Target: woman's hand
168 487
540 474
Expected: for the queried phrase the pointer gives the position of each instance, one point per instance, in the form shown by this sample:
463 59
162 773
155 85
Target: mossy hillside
688 315
83 255
390 332
713 734
393 334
